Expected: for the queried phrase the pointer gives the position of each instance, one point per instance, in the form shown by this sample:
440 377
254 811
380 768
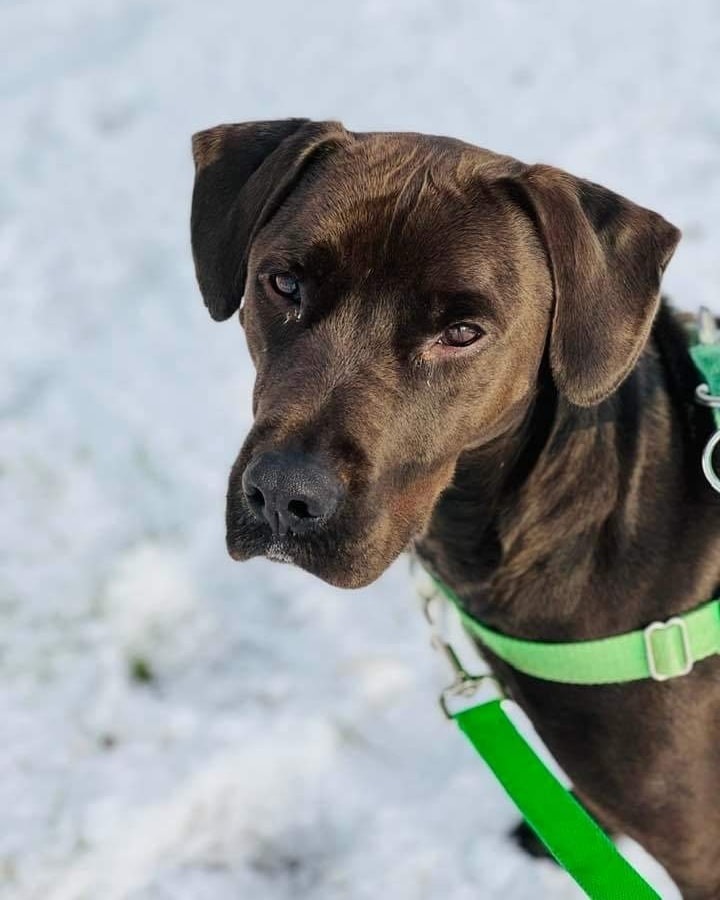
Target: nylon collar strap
660 651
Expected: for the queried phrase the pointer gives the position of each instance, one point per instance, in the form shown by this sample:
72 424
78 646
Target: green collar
660 651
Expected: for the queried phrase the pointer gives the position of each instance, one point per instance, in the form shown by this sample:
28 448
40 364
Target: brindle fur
551 478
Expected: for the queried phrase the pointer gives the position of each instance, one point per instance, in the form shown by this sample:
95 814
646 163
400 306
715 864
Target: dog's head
399 294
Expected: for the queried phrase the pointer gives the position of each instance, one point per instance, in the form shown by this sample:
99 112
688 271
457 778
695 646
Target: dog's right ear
242 175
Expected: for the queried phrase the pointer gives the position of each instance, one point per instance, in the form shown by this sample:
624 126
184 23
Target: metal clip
464 685
703 395
707 461
708 333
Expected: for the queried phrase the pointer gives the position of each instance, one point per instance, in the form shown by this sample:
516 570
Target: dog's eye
286 285
461 334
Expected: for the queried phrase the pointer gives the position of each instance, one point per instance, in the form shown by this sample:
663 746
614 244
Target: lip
243 544
341 568
278 551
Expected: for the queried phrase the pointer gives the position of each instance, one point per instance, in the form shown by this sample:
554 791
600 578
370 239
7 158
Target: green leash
660 651
578 844
568 831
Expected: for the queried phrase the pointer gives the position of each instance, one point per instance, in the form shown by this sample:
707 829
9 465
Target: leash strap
578 844
568 831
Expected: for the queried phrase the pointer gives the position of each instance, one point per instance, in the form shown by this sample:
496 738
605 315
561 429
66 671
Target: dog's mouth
341 559
279 551
352 551
291 508
289 550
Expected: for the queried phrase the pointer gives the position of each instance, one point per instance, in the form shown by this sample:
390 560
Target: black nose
291 491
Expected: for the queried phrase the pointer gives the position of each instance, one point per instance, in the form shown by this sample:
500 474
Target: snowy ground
287 744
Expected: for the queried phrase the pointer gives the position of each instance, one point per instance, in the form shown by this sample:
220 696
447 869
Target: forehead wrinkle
374 189
349 190
406 207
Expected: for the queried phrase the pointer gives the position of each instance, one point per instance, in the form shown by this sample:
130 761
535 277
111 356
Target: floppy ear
242 175
607 257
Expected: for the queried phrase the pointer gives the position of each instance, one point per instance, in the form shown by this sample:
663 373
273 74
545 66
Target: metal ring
703 395
707 461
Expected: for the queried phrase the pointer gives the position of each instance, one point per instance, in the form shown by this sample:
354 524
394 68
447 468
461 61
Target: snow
175 725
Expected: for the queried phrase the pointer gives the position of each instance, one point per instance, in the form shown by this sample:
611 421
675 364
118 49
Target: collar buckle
667 669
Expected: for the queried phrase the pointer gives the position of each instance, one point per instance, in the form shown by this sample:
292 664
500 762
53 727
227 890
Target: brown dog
467 354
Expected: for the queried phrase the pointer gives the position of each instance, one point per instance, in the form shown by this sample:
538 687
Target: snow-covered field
174 726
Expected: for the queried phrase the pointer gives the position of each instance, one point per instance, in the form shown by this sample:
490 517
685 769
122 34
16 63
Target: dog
469 356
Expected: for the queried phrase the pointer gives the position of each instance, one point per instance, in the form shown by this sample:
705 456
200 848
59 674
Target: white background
289 745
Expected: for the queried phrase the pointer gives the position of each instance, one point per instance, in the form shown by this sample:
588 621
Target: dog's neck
542 532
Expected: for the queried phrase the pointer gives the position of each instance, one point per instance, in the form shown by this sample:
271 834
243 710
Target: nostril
289 492
300 509
255 498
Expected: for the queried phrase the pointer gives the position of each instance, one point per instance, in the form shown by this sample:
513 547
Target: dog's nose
290 491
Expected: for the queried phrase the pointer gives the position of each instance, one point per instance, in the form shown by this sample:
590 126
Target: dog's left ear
243 173
607 257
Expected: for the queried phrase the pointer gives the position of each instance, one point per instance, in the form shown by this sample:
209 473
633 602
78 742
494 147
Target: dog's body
607 528
454 351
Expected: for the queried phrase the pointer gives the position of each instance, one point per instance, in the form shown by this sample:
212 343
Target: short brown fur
550 476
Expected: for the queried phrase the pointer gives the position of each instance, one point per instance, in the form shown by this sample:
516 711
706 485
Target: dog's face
400 294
